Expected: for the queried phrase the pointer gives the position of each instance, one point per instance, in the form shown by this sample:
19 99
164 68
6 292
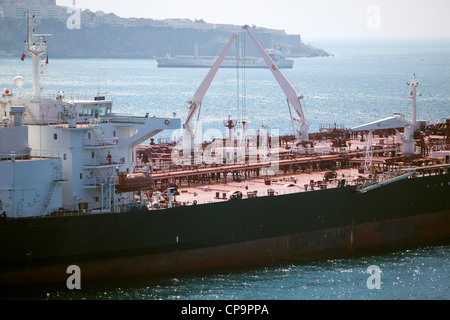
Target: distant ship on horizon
196 61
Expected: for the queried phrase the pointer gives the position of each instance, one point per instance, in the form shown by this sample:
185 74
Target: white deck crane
397 121
196 101
295 100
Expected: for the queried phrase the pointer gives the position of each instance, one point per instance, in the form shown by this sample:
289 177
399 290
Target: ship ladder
49 198
34 120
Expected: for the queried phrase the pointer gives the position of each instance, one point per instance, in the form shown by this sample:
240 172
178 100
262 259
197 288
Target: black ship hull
304 226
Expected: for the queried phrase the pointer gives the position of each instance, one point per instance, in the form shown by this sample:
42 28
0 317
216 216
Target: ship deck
260 187
282 184
200 184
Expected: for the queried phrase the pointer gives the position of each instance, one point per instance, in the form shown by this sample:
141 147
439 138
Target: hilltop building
48 9
42 9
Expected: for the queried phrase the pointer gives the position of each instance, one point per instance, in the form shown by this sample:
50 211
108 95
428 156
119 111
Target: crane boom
197 98
289 91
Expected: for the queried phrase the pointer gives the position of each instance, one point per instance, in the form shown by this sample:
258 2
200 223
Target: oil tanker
79 188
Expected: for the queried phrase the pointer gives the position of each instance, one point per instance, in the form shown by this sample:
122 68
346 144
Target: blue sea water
363 81
419 274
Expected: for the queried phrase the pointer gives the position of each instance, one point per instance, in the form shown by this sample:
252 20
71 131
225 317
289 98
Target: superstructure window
55 136
81 111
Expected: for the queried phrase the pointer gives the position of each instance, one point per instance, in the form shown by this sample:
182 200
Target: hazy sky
310 18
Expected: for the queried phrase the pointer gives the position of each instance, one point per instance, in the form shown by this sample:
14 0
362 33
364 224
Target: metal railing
44 154
97 142
104 162
98 180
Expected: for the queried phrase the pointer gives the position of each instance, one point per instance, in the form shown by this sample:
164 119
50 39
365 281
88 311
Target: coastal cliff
109 36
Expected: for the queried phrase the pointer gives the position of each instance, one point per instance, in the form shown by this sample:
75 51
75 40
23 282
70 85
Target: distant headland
80 33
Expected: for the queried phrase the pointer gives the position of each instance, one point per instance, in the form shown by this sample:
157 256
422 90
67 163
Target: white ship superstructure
63 155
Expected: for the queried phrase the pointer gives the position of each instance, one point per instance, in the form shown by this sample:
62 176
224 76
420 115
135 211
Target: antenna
414 84
230 124
35 50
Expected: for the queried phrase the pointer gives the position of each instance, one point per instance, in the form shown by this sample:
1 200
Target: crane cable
244 89
238 63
